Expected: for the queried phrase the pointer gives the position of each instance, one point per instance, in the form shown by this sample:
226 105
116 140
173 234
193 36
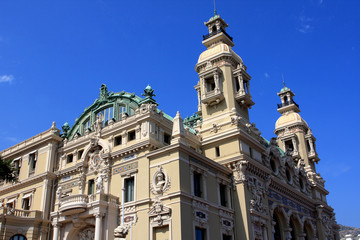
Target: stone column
311 143
56 230
98 226
228 196
293 140
199 99
248 87
217 83
241 84
202 79
204 176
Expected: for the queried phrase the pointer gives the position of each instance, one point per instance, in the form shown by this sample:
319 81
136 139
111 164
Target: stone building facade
127 170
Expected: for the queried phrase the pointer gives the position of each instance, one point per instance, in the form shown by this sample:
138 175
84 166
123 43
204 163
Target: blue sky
54 55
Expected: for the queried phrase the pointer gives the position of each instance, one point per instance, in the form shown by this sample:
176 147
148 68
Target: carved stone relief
87 234
160 182
159 213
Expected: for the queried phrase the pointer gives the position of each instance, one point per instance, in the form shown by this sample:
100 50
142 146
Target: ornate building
126 170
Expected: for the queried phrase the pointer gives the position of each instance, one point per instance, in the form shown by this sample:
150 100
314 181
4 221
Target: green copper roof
284 89
216 16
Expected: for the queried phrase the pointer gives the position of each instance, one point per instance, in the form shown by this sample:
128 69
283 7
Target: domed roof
218 49
284 89
289 119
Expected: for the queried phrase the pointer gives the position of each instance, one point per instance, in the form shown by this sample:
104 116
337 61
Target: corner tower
294 135
224 85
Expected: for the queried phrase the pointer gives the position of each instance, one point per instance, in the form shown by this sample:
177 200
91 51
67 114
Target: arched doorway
277 227
18 237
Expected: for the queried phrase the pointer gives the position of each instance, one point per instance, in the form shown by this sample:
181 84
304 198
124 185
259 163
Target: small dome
289 119
221 48
284 89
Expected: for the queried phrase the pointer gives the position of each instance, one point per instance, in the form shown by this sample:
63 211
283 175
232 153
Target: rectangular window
217 151
17 166
10 204
26 202
32 161
222 189
226 237
80 153
122 109
250 152
308 145
117 141
131 135
86 126
91 187
210 84
197 184
69 158
289 146
200 233
129 189
167 138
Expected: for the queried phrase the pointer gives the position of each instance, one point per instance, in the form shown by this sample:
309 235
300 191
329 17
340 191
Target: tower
224 85
294 134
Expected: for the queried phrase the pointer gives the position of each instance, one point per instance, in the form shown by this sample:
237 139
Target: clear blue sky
54 55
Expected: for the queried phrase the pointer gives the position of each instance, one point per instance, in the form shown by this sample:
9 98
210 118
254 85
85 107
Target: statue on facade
100 184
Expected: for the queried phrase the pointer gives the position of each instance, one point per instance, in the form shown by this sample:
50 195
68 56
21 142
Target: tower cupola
287 102
217 33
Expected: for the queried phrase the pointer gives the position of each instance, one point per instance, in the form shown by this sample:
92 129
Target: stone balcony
243 98
73 204
212 98
20 214
80 202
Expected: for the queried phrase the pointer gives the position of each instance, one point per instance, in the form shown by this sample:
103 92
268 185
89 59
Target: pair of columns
242 85
98 227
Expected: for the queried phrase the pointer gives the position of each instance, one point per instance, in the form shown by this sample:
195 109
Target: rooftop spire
215 9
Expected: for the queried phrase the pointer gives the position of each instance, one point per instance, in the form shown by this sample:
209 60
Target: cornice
29 181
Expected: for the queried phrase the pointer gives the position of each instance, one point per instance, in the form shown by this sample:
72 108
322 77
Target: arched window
18 237
293 230
122 110
277 228
214 28
107 114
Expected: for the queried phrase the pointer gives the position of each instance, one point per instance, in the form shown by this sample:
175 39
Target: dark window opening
308 146
223 195
237 85
277 233
210 84
293 230
214 28
288 173
129 189
32 160
69 158
26 203
286 99
118 141
197 184
226 237
91 187
80 153
217 151
273 165
18 237
250 152
200 234
167 138
289 146
131 135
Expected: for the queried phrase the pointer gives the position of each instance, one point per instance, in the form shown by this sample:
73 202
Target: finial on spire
283 79
215 9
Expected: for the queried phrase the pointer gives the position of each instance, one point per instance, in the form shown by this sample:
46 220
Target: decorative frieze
125 168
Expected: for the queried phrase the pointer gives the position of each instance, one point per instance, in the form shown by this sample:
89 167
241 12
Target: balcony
19 213
244 98
287 104
212 98
313 156
73 204
215 33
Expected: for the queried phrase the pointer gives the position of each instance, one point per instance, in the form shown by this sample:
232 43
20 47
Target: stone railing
73 201
20 213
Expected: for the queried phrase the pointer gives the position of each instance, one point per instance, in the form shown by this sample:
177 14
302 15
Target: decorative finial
283 79
214 9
